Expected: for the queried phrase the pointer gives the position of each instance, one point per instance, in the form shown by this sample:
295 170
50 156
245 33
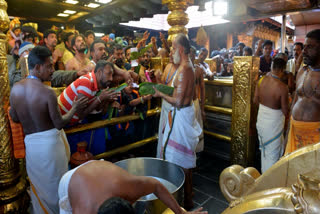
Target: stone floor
206 188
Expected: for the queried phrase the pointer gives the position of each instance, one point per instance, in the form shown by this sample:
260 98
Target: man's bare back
30 100
102 180
272 93
307 100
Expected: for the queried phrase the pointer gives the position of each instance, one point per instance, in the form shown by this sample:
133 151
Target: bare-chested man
199 96
182 131
271 95
305 116
80 61
167 79
95 191
35 106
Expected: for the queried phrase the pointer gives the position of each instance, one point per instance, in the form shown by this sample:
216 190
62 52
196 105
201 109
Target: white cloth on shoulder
270 125
64 203
165 108
46 162
198 115
183 139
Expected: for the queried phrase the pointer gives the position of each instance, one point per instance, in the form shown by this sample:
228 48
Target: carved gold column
243 135
178 18
12 186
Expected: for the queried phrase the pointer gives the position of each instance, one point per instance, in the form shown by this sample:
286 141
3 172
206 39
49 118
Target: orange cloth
19 149
302 134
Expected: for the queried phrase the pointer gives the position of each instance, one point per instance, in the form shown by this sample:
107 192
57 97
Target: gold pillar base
15 199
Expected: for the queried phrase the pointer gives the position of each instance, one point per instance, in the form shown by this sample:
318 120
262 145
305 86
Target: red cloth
19 149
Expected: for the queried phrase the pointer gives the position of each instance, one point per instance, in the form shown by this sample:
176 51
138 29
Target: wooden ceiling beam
36 19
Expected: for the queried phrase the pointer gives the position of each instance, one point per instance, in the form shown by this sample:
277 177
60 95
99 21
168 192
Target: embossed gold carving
305 161
244 80
302 197
12 188
178 18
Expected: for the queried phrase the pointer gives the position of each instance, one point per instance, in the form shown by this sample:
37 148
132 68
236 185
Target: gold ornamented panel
244 78
13 197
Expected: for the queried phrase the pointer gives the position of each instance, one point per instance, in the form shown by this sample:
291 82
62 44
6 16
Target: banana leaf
136 55
147 88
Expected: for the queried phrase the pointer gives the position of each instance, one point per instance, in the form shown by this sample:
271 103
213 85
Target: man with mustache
79 61
98 52
118 58
87 86
305 116
294 64
182 130
50 41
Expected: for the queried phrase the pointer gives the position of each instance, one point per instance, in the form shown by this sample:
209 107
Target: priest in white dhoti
182 130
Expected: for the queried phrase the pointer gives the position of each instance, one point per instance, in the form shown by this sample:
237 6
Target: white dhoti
64 203
165 108
198 115
270 125
46 162
184 135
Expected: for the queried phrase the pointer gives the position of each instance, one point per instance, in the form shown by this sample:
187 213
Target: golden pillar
178 18
243 136
12 186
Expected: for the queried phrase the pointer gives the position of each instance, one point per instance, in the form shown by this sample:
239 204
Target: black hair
48 32
116 205
102 64
241 44
66 36
314 34
37 56
204 50
298 43
267 42
89 32
248 49
117 47
73 41
28 32
279 63
96 42
193 49
280 55
128 47
184 42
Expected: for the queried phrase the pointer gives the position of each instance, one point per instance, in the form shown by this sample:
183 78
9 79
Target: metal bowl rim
178 188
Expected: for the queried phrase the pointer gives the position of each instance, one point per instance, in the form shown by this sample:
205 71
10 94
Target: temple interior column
12 186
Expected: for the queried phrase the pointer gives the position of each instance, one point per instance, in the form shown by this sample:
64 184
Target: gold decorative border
244 79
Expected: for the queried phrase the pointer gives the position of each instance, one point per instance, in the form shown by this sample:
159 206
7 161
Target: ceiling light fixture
63 15
69 11
71 2
220 8
92 5
103 1
99 34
